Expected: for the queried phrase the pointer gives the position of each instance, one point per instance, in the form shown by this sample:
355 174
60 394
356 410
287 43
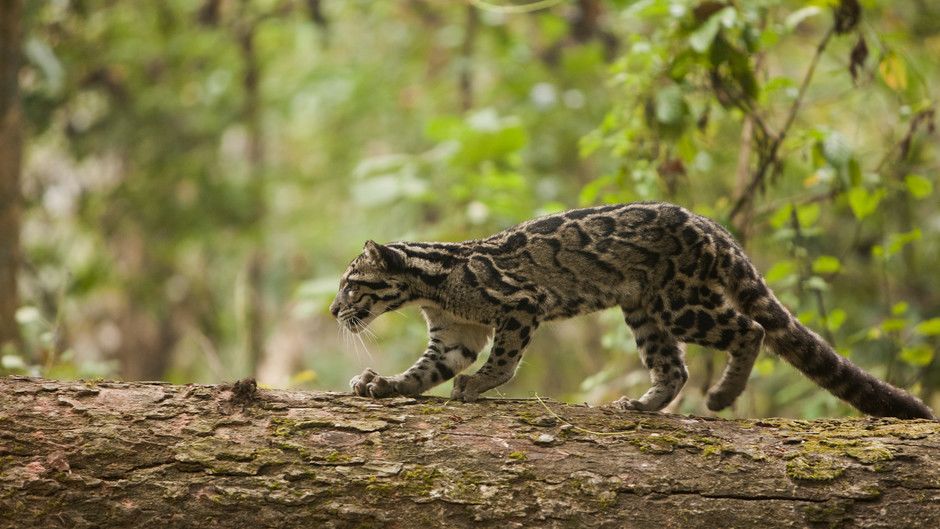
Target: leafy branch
769 157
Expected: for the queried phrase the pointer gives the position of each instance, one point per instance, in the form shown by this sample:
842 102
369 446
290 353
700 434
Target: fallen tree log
116 454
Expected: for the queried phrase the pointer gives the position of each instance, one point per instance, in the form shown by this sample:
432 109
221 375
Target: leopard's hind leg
662 354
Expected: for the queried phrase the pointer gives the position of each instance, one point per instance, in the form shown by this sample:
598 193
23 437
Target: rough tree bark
94 454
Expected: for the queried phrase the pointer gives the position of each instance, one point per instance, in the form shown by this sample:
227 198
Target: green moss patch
815 467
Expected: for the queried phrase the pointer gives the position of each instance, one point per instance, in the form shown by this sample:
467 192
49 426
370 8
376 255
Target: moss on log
115 454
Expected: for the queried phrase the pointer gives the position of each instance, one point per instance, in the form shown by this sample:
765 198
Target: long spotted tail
809 353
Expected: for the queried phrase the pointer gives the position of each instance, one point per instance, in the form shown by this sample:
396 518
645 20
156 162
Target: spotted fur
678 277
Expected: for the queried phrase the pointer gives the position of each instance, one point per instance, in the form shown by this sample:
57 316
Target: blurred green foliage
443 121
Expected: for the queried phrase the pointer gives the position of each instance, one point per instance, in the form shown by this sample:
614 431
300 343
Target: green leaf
807 317
701 39
918 186
489 136
778 83
826 264
769 37
552 27
929 327
919 355
793 19
835 319
863 202
482 136
897 241
671 107
592 189
728 16
855 172
836 149
893 324
764 366
682 64
742 72
648 9
780 270
816 283
808 214
893 71
720 51
781 217
387 188
899 308
40 54
441 128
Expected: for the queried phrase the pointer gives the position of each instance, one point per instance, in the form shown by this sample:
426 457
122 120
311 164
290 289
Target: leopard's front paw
628 404
359 382
464 389
371 384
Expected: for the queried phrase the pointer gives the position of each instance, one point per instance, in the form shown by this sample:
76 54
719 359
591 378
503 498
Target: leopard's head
372 284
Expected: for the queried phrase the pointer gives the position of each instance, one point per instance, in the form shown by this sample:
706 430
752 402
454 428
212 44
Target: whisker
369 333
366 348
356 332
342 333
357 323
396 311
355 344
368 336
349 341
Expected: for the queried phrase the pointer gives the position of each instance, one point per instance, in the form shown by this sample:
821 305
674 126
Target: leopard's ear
384 257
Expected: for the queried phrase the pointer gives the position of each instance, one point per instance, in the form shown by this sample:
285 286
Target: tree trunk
93 454
251 111
11 151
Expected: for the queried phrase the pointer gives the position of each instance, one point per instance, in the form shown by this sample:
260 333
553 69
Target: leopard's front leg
453 345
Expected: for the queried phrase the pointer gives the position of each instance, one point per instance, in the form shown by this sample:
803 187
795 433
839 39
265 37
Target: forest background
182 183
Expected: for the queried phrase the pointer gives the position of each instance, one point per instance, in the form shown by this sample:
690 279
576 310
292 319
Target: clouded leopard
678 277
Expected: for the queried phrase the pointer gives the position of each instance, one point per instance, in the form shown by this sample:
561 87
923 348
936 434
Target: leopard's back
588 259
